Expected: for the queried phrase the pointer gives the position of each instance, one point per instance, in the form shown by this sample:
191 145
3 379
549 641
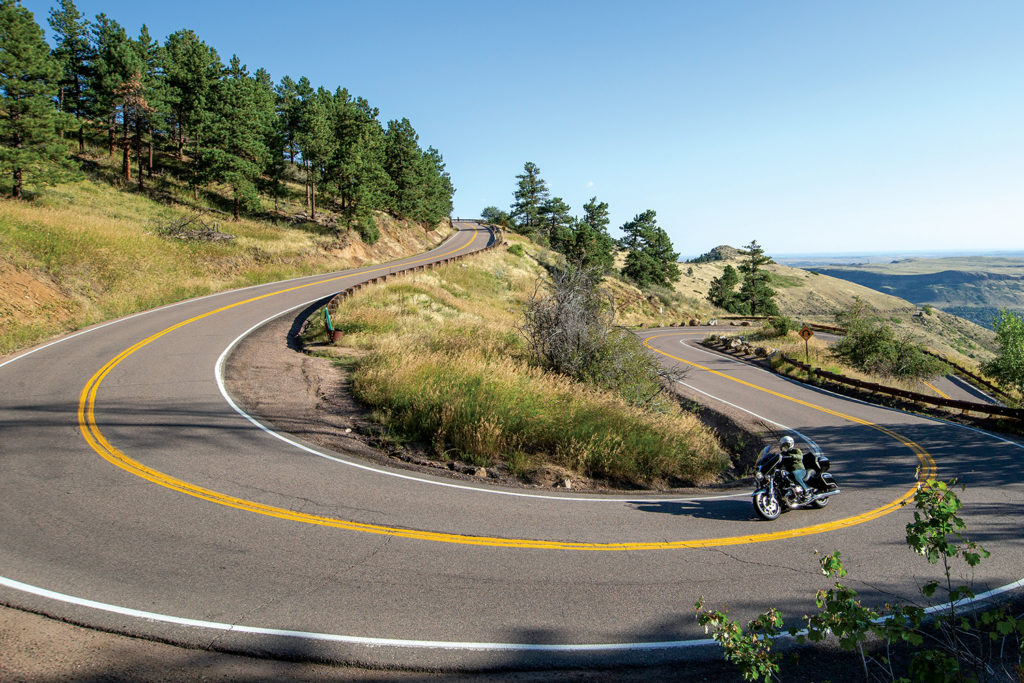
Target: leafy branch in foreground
947 642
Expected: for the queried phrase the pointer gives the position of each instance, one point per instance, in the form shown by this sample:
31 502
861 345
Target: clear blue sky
808 126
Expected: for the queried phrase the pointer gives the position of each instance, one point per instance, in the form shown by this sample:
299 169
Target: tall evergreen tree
590 246
73 52
530 196
756 295
234 151
275 167
403 160
29 144
115 63
722 292
438 189
357 169
316 140
288 107
556 223
153 81
651 260
192 70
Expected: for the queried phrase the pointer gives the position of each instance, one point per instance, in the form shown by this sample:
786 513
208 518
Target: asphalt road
135 498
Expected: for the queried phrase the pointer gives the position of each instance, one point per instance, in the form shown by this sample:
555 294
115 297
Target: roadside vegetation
898 642
439 358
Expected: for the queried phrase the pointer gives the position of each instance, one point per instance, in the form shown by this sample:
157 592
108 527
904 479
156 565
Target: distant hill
813 296
720 253
974 288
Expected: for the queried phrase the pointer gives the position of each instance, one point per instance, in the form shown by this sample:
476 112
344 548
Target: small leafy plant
948 642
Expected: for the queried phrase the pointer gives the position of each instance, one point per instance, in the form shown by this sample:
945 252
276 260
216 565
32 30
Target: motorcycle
777 491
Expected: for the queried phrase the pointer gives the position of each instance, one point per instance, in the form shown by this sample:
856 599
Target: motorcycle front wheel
820 503
767 506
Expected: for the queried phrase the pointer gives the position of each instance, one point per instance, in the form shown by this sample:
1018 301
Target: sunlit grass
447 368
97 248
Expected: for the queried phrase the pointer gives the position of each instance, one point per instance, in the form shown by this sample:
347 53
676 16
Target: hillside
975 288
812 296
84 252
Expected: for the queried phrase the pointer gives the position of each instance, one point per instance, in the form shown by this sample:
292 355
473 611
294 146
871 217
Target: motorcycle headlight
758 476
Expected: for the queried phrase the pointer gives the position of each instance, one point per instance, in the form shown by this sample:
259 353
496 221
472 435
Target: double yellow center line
98 442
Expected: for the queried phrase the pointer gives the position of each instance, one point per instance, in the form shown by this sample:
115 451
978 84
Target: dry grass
85 252
448 368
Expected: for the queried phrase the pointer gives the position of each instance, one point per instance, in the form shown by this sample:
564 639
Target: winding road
136 497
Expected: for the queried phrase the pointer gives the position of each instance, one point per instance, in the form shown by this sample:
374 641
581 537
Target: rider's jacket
793 459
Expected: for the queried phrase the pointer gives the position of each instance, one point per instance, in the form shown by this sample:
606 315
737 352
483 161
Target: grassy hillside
809 296
85 252
438 356
975 288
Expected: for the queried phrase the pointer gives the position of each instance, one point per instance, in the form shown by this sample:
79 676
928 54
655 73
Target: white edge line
352 640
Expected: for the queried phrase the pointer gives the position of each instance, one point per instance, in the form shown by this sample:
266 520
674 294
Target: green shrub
780 325
870 345
516 249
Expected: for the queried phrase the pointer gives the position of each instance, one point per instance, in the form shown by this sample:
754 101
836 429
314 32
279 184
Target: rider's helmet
786 443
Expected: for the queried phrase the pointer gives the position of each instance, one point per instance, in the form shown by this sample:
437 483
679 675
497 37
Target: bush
367 229
872 346
516 249
570 331
780 325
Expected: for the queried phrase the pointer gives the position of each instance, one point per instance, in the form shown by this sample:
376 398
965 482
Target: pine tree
756 295
115 63
192 69
651 260
357 169
722 292
73 52
556 223
152 80
315 139
403 160
29 143
288 106
588 244
234 151
275 166
438 189
530 196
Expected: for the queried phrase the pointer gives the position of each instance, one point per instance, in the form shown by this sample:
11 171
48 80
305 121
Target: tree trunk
138 156
60 108
126 163
236 209
181 143
312 196
306 165
78 115
149 166
111 125
16 189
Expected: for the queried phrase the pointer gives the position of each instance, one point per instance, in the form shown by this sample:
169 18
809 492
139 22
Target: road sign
806 333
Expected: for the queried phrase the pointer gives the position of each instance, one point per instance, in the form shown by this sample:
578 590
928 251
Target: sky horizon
809 127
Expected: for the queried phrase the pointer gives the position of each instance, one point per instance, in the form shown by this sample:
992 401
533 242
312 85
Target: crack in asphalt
751 563
296 503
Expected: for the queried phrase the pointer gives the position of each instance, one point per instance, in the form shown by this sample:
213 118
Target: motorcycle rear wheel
766 506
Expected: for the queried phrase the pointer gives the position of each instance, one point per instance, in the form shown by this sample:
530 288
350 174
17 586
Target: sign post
807 333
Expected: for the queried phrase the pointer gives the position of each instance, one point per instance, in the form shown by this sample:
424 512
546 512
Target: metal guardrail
332 305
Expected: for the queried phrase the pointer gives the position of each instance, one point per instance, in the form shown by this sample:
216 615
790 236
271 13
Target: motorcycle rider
793 459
